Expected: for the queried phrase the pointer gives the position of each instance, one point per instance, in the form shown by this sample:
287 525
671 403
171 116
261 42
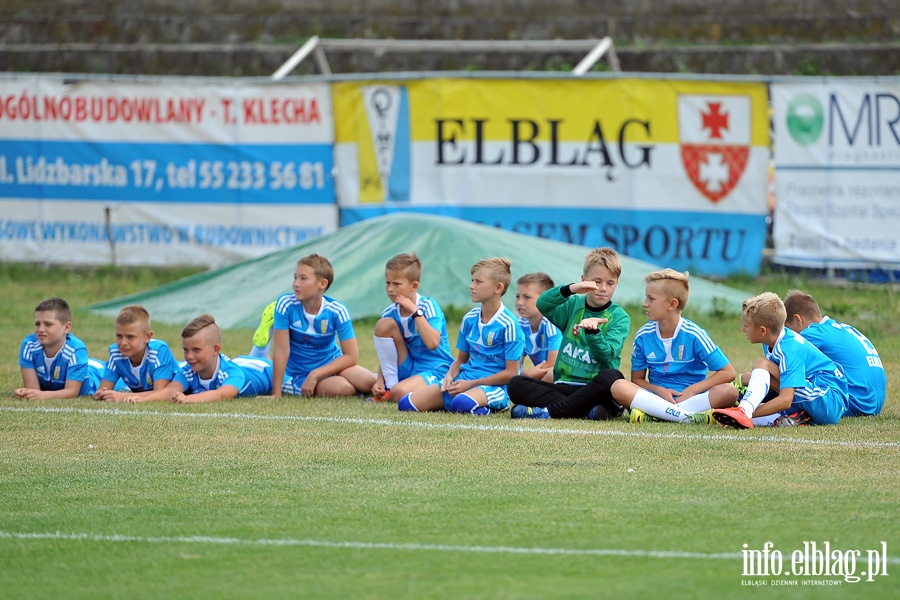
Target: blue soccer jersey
314 338
251 376
158 364
538 344
490 344
677 362
69 364
820 387
866 379
423 358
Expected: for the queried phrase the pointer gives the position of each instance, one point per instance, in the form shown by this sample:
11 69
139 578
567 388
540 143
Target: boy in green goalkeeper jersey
594 331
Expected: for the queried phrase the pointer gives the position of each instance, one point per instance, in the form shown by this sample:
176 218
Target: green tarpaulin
236 295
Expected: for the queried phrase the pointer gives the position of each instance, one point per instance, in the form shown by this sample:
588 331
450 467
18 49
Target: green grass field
330 498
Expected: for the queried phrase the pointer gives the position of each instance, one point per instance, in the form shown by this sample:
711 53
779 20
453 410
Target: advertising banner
156 173
837 173
671 172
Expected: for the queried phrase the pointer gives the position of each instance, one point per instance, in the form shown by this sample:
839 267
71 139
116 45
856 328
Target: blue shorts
826 408
497 398
431 375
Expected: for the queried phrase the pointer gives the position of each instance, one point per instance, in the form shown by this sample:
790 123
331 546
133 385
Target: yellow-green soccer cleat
261 335
639 416
703 418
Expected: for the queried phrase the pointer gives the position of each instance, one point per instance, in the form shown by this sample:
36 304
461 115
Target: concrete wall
243 37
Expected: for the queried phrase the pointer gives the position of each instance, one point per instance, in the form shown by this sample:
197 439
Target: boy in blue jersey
811 387
411 337
677 371
53 361
208 375
594 329
490 346
542 338
842 343
139 361
306 357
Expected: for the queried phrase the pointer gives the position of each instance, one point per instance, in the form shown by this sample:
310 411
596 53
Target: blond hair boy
490 345
137 360
810 387
677 371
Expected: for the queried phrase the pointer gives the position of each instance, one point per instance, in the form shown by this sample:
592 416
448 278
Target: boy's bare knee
386 328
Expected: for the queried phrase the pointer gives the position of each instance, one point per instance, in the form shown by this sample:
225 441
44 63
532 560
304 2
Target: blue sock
463 403
406 405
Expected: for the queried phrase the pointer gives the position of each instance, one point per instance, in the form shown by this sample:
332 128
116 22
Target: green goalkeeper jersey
581 356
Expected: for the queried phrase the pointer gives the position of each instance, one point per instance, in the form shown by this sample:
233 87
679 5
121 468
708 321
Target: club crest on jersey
714 137
490 338
324 326
56 372
681 352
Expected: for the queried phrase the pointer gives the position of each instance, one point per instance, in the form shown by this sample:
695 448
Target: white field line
679 435
203 539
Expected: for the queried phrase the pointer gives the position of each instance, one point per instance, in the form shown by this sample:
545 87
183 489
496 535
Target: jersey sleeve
462 341
282 316
165 363
639 355
77 369
234 375
109 371
792 367
182 379
24 356
515 345
554 337
554 306
343 325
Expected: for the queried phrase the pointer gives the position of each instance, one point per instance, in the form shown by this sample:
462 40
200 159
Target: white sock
757 388
386 350
655 406
698 403
765 421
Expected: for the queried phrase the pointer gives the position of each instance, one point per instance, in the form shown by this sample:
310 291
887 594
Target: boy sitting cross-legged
676 368
490 346
594 329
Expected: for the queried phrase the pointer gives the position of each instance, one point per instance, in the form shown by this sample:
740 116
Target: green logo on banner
805 119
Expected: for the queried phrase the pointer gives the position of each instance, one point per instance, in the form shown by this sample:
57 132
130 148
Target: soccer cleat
639 416
385 397
795 419
741 388
703 418
598 413
261 335
733 417
520 411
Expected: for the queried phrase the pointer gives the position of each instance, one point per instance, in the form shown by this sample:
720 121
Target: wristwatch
418 313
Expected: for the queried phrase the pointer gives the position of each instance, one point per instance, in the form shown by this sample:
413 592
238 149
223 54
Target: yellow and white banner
837 173
674 172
